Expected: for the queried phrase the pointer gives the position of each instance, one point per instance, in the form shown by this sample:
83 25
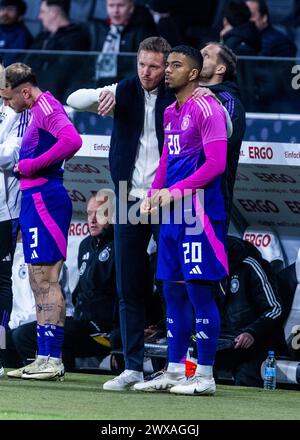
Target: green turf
81 397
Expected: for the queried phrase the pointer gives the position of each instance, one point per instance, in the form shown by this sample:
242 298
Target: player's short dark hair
237 13
64 5
19 73
20 5
228 58
155 44
190 52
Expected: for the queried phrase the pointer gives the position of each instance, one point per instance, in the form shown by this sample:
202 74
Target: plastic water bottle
270 372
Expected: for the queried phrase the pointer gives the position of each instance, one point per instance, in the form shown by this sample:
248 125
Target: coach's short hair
155 44
190 52
19 73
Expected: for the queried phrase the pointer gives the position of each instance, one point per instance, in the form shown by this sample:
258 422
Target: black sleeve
265 296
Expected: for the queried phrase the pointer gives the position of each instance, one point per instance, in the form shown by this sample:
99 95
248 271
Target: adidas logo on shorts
34 255
196 270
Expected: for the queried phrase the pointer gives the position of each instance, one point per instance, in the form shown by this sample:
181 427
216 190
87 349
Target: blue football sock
40 333
54 338
180 319
207 321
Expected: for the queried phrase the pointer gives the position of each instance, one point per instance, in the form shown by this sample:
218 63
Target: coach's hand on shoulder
107 103
204 91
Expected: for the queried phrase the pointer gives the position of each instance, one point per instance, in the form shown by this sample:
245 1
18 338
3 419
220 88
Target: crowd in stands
112 27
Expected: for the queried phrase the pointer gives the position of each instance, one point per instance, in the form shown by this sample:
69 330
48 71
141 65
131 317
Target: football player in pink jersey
190 260
46 209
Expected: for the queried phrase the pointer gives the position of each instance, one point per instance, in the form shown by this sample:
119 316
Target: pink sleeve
214 165
160 178
68 143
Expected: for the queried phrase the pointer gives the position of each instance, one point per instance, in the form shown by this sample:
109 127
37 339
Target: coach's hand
244 340
204 91
107 103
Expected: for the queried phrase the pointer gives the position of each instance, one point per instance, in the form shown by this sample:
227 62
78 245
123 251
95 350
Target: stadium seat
99 12
31 17
267 242
82 11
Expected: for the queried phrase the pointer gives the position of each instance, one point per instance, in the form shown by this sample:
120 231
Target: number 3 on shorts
34 237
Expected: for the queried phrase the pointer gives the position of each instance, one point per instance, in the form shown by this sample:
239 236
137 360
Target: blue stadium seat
82 11
99 12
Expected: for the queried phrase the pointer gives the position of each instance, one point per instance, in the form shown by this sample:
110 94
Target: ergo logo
258 239
260 152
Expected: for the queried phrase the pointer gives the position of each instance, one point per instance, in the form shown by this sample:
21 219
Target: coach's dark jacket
128 126
252 301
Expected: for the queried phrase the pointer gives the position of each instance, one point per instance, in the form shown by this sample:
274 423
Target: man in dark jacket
94 298
57 72
274 42
219 75
126 27
239 33
13 33
251 316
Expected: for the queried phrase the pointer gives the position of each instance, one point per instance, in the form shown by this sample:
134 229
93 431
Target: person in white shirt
12 128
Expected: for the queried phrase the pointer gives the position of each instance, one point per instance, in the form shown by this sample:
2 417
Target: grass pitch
81 397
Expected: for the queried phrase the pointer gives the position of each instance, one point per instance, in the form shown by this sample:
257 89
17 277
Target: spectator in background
239 33
126 27
56 72
251 317
165 22
13 33
94 298
274 42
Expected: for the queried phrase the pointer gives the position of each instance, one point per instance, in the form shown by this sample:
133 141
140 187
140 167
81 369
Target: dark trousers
131 242
8 233
77 343
244 365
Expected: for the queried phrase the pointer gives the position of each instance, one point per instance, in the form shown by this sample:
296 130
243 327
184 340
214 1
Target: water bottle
270 372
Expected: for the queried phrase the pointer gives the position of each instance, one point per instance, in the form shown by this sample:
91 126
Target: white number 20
192 252
173 143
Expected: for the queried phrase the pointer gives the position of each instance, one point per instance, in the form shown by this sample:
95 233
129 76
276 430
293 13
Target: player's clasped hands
161 198
107 103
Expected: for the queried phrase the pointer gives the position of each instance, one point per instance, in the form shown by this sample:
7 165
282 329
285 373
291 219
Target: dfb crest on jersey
185 122
23 271
234 284
82 268
104 255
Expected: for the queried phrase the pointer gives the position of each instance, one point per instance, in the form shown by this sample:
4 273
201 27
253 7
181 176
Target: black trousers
131 242
77 343
8 233
244 365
